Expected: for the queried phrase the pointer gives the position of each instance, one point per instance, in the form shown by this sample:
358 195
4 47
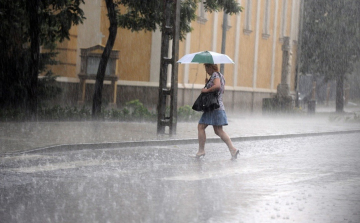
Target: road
309 179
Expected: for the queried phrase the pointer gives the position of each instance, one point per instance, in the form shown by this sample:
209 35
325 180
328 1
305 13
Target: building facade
254 41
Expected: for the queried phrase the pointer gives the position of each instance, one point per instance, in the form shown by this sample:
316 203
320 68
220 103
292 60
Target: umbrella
206 57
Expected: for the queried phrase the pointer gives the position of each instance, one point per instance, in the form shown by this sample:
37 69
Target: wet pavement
302 179
303 168
28 136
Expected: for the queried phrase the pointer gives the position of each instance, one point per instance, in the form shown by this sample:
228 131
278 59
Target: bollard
267 105
311 106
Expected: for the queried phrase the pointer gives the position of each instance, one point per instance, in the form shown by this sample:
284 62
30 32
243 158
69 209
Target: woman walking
217 118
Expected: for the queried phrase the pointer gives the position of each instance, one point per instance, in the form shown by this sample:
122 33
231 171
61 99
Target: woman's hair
213 66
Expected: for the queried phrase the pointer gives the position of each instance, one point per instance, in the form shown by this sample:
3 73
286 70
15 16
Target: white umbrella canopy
205 57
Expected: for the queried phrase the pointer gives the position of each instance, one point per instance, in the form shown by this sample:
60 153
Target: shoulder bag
207 101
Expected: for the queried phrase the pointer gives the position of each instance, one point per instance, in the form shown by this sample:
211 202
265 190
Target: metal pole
223 41
298 59
161 107
174 73
167 31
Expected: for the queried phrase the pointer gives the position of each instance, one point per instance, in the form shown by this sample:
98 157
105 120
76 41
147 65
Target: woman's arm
215 87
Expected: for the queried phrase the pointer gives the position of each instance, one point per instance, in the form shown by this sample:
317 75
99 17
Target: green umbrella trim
203 57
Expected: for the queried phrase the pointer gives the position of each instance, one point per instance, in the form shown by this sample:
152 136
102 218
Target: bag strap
221 76
207 82
210 78
218 92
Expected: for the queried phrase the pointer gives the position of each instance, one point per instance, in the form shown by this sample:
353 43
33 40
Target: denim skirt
215 117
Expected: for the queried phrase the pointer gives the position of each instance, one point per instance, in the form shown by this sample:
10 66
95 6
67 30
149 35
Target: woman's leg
224 137
202 138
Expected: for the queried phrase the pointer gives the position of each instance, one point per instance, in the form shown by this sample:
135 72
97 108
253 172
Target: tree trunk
340 93
97 99
33 7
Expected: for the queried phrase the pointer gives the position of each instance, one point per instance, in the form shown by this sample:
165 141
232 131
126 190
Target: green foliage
186 113
56 18
136 111
47 88
117 115
133 111
58 113
14 80
346 117
11 114
329 45
229 6
147 15
330 37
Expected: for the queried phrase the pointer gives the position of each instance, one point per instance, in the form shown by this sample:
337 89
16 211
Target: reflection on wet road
311 179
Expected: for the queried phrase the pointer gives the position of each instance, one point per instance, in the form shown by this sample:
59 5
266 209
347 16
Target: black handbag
206 101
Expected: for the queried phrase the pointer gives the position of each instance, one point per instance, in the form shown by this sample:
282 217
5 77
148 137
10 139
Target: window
228 22
93 65
202 17
266 32
283 20
247 28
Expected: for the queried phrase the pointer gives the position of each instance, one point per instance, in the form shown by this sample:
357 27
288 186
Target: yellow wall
278 50
66 56
288 15
201 40
230 47
134 62
135 51
135 48
247 46
263 79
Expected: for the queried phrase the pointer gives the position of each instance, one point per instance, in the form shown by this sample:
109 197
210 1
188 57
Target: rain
97 123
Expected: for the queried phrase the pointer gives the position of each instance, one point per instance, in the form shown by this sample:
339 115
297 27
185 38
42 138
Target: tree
27 25
330 41
100 75
14 57
33 8
148 15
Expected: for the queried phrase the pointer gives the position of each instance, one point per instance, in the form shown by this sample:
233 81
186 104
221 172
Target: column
283 87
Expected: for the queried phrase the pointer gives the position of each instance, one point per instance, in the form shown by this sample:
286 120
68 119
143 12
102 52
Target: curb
112 145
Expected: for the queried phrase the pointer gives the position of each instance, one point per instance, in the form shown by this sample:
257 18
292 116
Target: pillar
283 89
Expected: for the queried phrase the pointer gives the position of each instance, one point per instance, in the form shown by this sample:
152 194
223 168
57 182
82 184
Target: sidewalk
27 136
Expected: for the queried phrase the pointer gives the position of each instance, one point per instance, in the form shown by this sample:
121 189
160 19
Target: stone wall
236 101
